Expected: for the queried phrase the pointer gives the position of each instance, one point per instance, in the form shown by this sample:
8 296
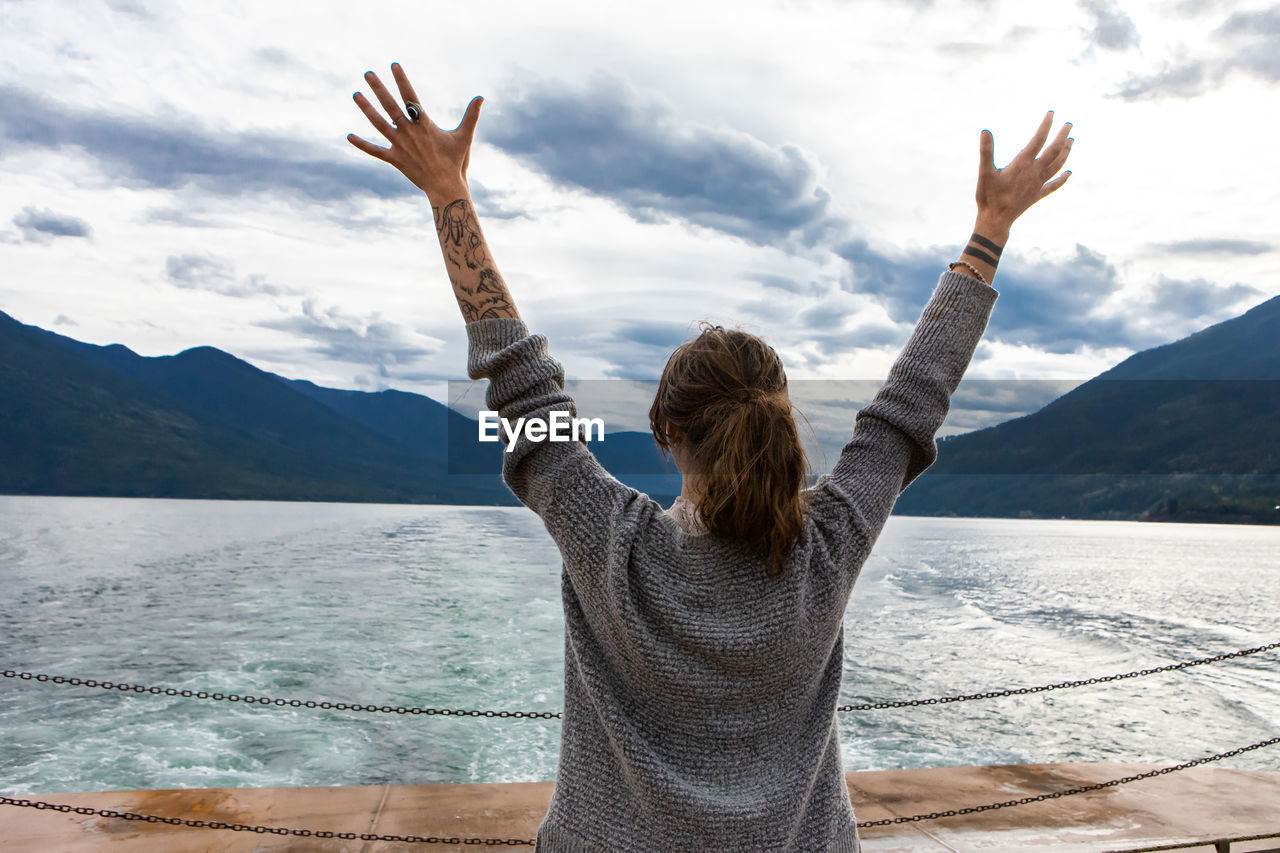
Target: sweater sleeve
893 438
585 509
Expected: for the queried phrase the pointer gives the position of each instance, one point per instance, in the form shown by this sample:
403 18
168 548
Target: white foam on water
452 607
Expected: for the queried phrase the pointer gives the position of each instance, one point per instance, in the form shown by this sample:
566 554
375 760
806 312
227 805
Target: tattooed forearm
459 232
491 298
480 290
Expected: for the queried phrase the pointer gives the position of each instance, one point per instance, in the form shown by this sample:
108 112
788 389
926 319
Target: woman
704 646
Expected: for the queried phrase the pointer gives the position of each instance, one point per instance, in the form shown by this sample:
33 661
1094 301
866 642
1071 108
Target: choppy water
459 607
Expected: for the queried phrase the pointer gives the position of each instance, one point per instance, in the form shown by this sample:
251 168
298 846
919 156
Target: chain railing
411 839
1061 685
524 842
1053 795
548 715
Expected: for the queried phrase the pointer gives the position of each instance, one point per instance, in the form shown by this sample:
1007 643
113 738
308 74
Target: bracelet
972 269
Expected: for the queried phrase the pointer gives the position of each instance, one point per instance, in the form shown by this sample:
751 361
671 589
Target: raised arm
893 438
436 162
578 500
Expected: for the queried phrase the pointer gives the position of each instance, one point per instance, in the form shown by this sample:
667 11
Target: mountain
87 420
410 420
1185 431
435 430
81 419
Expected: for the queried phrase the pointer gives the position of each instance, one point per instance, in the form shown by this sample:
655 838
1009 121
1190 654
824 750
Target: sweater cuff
487 338
954 286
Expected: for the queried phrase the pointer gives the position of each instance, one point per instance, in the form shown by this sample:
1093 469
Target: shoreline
665 500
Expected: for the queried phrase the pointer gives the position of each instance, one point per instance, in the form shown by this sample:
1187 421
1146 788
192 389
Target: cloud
825 315
608 139
653 333
1247 42
38 225
180 215
1112 28
1192 8
131 8
1263 22
782 282
494 204
64 320
1053 307
1186 300
390 350
835 342
278 59
1255 35
1010 41
1180 80
178 150
1216 246
611 140
901 283
217 274
639 349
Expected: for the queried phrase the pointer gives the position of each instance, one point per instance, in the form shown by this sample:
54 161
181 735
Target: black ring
413 110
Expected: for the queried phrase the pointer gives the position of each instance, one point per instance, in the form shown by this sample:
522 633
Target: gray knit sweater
699 696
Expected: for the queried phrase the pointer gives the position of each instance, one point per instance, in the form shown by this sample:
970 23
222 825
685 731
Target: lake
459 607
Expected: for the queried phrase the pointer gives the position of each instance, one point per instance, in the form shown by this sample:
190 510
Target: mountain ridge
90 419
1182 431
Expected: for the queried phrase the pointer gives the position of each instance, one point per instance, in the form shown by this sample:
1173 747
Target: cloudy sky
177 174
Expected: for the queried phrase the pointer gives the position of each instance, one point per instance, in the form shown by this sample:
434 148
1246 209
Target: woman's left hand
434 160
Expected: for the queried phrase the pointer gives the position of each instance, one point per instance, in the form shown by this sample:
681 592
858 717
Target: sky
177 174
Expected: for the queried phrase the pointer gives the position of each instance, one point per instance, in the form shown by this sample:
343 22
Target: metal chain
1019 691
549 715
264 830
521 842
1083 788
266 700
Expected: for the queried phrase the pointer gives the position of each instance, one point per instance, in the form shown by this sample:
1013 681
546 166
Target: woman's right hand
1005 194
435 160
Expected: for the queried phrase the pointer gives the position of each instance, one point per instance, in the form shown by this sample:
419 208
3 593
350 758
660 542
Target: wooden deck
1202 803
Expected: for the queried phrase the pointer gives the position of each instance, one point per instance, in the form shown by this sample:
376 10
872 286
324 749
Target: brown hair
725 394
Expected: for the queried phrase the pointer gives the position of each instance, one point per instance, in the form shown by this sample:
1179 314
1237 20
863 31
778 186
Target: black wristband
980 255
986 244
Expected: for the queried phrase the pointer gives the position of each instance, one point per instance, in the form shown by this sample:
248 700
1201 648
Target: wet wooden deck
1203 803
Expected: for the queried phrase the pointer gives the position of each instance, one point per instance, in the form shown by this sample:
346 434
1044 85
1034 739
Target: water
459 607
